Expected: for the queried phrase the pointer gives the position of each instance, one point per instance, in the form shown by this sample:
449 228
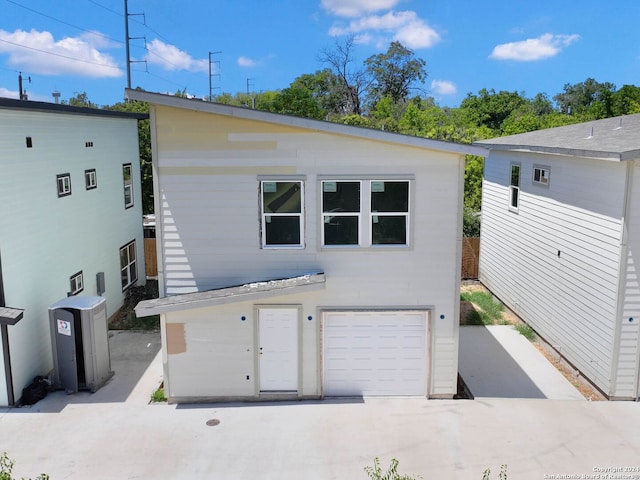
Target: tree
394 73
351 83
589 97
491 109
80 100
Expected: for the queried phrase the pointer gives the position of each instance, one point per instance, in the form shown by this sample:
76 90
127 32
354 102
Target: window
128 270
128 185
514 188
76 283
29 142
282 213
341 213
64 184
90 179
541 175
389 212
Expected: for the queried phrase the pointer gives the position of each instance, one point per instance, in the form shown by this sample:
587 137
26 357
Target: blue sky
75 46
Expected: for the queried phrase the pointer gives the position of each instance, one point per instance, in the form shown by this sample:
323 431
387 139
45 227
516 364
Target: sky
527 46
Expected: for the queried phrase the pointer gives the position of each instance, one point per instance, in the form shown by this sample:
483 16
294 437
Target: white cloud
532 49
405 27
39 52
247 62
6 93
170 57
443 87
356 8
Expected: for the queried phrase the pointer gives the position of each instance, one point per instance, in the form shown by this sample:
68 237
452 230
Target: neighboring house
302 259
70 223
560 242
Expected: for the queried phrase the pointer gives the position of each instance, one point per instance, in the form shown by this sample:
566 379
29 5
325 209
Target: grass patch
526 331
490 310
158 395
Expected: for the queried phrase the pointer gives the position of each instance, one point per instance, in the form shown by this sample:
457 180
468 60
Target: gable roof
28 105
614 139
305 123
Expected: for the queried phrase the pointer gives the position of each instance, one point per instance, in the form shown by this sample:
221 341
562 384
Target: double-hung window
90 179
128 269
64 184
127 181
514 187
76 283
389 212
282 213
365 213
341 217
541 175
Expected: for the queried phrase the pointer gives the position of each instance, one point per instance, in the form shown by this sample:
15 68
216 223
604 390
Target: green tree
589 97
626 100
394 73
80 100
491 109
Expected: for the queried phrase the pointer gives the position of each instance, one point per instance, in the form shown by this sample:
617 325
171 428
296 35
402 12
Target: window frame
264 220
545 174
76 283
127 266
366 214
127 185
88 175
514 189
326 215
60 182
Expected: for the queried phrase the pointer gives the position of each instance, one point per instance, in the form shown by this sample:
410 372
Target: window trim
60 182
130 281
76 283
91 172
514 189
264 215
541 168
127 185
406 215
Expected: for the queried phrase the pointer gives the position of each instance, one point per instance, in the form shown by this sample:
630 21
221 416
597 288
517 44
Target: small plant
157 396
486 475
526 331
6 469
376 473
490 310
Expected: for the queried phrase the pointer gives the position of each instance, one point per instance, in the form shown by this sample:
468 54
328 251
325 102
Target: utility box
80 343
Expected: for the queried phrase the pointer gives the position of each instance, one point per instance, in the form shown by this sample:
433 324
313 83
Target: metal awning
10 316
238 293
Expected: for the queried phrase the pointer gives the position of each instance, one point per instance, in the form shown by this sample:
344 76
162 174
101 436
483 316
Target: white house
70 223
302 259
560 242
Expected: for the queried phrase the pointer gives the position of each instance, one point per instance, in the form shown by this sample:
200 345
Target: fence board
150 257
470 256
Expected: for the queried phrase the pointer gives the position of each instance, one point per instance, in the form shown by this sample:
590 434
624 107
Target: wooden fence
470 256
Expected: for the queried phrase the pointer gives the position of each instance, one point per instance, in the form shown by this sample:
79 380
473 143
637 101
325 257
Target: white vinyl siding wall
556 261
211 244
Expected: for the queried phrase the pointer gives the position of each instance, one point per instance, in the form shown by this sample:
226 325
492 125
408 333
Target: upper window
90 179
514 187
76 283
541 175
341 213
354 212
389 212
128 269
128 185
64 184
282 213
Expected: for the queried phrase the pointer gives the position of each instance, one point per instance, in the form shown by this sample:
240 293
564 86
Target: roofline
233 294
15 104
306 123
573 152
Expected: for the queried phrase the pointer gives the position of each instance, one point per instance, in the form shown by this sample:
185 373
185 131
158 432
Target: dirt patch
125 318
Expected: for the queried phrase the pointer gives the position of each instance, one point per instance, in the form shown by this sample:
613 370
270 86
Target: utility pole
23 94
210 74
127 38
253 100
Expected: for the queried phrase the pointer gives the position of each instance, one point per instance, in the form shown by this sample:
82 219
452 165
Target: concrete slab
497 362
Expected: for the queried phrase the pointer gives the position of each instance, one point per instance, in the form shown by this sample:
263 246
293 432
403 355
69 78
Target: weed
158 395
491 310
376 473
526 331
6 469
126 318
486 475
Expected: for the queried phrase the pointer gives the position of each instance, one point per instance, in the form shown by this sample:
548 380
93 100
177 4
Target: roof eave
570 152
305 123
221 296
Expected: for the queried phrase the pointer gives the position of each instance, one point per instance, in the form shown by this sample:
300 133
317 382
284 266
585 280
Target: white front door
278 349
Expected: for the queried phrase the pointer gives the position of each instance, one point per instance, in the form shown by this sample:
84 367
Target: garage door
375 353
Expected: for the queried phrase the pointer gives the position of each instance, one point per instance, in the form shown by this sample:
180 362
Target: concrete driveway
120 436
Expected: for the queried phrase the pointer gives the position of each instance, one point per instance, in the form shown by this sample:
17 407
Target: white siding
556 261
208 217
628 360
46 239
